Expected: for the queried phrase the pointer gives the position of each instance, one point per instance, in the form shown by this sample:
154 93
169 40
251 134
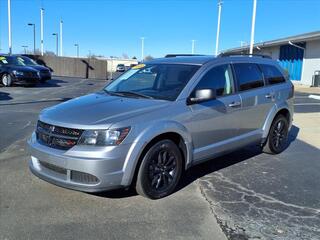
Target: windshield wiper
129 93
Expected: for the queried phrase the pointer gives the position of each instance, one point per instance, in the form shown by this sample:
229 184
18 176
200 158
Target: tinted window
248 76
272 74
219 78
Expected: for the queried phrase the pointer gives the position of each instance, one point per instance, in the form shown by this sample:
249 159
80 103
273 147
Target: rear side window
272 74
218 78
248 76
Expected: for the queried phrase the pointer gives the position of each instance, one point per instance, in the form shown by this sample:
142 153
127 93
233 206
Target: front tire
160 170
6 80
277 140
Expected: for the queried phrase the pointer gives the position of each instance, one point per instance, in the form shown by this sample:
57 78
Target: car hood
98 110
39 67
21 68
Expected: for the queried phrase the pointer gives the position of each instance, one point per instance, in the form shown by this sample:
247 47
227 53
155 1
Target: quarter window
248 76
218 78
272 74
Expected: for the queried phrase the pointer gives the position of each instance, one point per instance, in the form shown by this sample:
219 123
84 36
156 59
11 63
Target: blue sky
114 27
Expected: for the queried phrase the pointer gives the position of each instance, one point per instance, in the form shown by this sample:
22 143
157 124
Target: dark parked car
14 71
45 73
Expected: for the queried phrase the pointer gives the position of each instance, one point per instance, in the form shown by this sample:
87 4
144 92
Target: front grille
30 74
57 137
54 168
81 177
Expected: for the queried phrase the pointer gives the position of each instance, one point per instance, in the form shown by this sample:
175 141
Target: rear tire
277 140
6 80
160 170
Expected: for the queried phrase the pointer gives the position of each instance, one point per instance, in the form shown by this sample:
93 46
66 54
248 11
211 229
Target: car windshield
27 61
158 81
11 60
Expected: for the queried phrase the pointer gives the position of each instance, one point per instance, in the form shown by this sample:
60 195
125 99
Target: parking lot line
314 96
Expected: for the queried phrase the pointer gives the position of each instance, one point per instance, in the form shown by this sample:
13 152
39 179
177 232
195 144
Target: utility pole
9 28
61 44
192 48
142 49
218 27
34 37
56 34
77 46
253 25
41 30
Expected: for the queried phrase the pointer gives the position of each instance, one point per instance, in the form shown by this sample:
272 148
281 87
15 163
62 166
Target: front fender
146 135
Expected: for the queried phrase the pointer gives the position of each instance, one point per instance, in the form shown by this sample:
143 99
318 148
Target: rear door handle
235 104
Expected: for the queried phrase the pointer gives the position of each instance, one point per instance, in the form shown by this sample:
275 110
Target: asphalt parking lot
244 195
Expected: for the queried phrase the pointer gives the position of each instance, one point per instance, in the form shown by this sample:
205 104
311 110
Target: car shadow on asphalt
5 96
202 169
50 83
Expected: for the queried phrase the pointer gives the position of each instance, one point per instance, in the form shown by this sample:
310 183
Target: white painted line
315 96
301 104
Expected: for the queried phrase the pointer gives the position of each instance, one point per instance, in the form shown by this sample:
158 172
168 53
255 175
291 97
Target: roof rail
182 55
242 54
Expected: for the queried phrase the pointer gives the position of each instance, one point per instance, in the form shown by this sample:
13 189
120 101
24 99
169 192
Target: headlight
17 73
104 137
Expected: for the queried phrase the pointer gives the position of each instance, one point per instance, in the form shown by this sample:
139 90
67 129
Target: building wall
311 61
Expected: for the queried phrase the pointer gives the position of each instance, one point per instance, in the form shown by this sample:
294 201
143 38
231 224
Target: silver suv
159 119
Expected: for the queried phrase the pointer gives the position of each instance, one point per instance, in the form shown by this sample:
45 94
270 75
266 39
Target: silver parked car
160 118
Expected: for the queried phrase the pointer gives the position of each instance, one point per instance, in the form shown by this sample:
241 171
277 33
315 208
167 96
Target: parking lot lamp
61 44
56 34
41 30
9 28
218 27
77 46
192 47
25 49
34 37
253 25
142 49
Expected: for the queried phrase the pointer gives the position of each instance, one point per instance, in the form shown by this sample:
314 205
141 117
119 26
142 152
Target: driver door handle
235 104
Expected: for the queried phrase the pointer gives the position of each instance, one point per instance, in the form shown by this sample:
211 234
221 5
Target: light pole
61 44
253 25
9 28
56 34
25 49
218 27
34 37
77 46
41 30
192 47
142 49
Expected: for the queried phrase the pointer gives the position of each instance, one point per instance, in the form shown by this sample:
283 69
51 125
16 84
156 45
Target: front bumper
104 164
25 80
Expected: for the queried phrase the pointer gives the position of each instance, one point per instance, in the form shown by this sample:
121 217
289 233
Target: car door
257 99
215 122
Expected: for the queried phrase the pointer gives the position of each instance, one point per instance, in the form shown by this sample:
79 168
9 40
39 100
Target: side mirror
202 95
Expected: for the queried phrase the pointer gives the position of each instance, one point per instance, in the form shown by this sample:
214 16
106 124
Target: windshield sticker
4 61
2 58
20 59
139 66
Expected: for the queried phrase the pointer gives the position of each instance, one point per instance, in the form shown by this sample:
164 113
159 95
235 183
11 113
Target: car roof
192 60
201 60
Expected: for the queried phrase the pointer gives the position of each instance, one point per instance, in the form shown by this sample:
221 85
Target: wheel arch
172 131
274 112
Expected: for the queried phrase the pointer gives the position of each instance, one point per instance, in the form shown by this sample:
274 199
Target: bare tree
148 58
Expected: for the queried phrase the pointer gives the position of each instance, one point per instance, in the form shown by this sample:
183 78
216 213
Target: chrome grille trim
56 136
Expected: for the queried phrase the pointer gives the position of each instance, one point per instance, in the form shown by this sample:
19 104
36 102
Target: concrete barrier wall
81 67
